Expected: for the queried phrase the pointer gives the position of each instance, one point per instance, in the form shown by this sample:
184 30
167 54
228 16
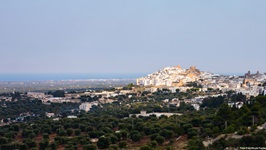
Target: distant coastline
12 77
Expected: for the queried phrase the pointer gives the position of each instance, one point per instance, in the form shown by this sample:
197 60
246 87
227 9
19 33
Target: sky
118 36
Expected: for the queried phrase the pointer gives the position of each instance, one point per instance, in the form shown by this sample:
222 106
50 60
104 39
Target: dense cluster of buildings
174 78
46 98
170 76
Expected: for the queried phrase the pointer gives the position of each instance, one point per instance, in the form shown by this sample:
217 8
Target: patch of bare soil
180 143
136 145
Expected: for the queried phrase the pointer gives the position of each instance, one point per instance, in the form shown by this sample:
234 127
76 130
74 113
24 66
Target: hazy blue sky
111 36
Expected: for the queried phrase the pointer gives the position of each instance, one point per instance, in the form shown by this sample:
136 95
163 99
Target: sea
11 77
74 76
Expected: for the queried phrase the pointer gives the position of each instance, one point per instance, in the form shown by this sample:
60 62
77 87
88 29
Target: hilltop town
173 78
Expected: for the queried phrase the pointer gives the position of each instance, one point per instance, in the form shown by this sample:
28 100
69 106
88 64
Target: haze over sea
66 76
74 76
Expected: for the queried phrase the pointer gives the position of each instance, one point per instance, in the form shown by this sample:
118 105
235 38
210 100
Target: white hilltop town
173 78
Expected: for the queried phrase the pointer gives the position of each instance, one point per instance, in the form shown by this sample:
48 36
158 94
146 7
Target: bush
135 136
159 139
114 147
113 139
195 144
3 140
153 136
123 144
31 143
103 142
45 136
7 147
146 147
53 146
77 132
90 147
23 147
153 144
32 135
243 130
43 145
69 132
62 132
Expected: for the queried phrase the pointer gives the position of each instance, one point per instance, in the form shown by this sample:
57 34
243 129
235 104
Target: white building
172 89
175 102
196 106
38 95
72 117
145 114
49 115
87 106
237 104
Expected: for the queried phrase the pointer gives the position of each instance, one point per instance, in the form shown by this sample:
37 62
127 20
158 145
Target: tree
77 132
135 136
103 142
122 144
113 139
43 145
215 130
191 132
146 147
213 102
59 93
45 136
118 135
16 127
31 143
93 134
195 144
23 147
62 132
32 135
5 120
244 109
261 100
69 132
128 87
53 146
3 140
159 139
7 146
187 126
114 147
153 144
168 134
90 147
123 134
225 113
255 112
